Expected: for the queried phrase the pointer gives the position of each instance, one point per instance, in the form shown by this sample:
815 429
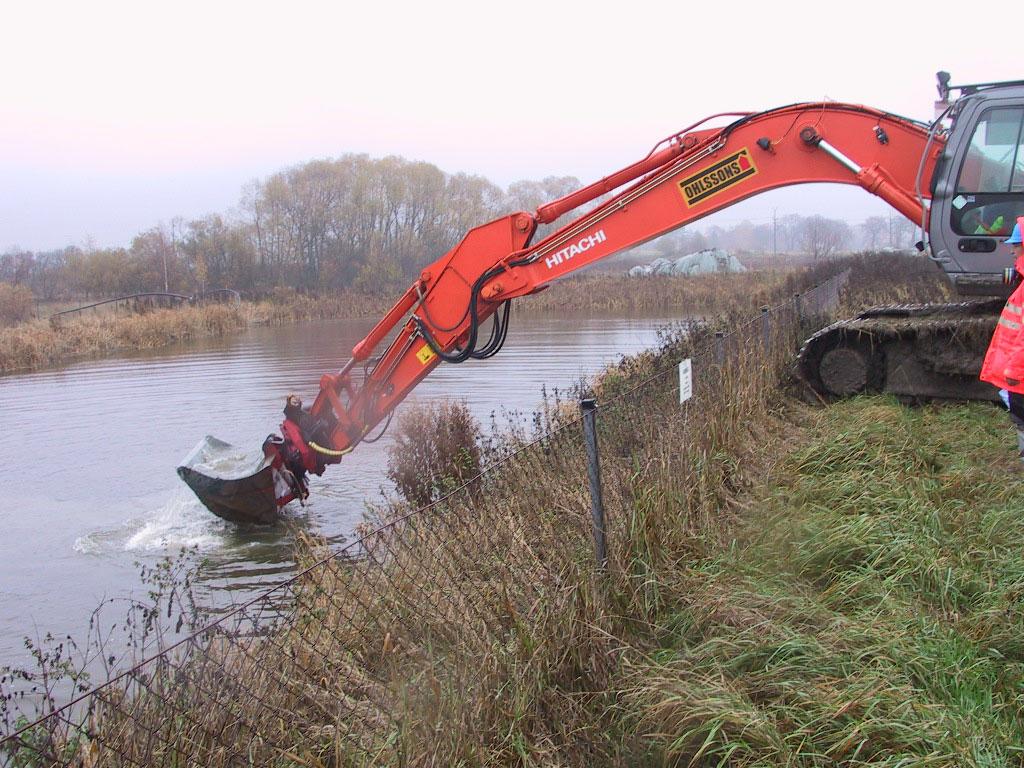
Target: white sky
116 116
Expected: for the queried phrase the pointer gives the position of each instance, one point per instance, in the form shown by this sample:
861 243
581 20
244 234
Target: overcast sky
117 116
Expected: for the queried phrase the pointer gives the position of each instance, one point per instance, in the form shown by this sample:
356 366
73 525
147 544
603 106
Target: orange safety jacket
1005 356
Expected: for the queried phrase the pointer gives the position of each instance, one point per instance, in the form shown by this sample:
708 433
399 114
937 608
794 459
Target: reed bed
289 306
37 343
697 295
40 343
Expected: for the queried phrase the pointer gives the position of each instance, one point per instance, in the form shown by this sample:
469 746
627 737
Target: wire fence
365 654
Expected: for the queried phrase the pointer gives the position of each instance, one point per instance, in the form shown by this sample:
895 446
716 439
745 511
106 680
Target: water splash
181 522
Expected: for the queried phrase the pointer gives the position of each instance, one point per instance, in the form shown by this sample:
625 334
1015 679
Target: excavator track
917 352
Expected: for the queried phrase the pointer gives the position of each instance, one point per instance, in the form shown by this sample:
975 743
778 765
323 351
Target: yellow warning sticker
717 178
425 354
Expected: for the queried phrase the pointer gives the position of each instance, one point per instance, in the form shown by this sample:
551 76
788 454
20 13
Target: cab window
990 187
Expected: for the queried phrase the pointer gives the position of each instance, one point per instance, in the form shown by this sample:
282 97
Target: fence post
720 348
798 311
766 327
589 408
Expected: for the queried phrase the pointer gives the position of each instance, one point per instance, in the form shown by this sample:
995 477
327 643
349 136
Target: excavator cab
978 186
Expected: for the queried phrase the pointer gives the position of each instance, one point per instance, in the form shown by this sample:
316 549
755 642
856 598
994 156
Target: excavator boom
443 315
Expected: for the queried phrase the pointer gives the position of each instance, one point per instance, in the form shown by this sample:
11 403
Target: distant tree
821 237
47 275
788 231
16 303
874 230
323 224
16 266
901 231
113 272
527 195
154 251
219 254
747 236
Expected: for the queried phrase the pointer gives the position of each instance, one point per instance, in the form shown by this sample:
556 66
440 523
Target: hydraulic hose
328 451
498 333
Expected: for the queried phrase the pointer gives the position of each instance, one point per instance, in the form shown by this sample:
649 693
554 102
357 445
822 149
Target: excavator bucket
233 484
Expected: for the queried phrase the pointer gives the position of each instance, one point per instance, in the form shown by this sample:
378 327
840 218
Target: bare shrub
435 451
16 304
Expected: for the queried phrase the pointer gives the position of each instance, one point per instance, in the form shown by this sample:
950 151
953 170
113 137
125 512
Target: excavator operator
1004 361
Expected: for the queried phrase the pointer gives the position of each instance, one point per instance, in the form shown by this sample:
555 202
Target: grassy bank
866 609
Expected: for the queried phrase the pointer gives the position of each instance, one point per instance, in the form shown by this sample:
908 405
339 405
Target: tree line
815 236
363 223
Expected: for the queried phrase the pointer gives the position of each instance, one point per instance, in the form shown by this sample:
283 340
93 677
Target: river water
89 491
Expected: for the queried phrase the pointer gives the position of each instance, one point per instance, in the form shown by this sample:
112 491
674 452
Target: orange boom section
688 176
443 316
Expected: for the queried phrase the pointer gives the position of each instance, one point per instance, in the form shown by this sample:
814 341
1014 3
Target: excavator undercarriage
914 351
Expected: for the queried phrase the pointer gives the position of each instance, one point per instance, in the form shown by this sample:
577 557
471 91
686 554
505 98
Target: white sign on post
685 380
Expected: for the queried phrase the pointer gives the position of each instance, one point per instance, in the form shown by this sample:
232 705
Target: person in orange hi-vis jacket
1004 361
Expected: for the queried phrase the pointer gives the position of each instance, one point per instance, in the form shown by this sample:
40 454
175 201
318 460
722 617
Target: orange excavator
960 178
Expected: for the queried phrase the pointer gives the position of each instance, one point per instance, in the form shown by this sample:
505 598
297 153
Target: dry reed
40 343
697 295
37 344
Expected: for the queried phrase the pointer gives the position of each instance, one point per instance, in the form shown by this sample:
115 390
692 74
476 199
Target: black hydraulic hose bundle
499 330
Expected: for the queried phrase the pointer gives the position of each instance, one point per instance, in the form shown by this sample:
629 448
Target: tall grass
867 612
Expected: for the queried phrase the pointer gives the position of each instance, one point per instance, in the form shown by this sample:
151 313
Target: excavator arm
457 310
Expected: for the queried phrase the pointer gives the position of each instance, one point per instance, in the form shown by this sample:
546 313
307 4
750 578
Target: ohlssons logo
719 177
